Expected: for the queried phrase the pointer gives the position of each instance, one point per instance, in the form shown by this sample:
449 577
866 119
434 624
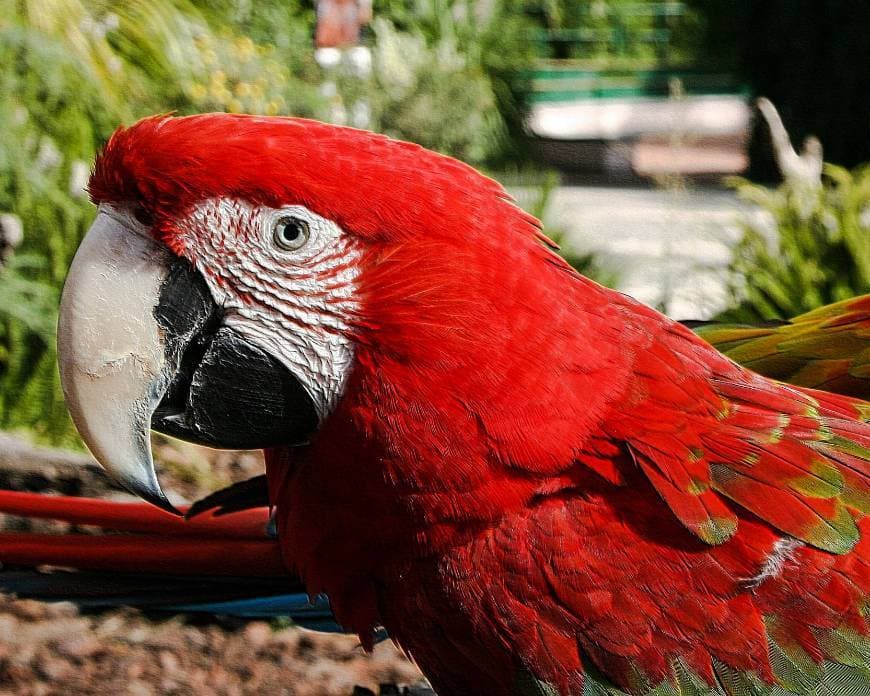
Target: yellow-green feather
828 348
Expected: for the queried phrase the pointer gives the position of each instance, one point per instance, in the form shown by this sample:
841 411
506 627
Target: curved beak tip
152 494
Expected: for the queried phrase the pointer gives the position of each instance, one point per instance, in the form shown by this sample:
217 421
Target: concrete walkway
670 248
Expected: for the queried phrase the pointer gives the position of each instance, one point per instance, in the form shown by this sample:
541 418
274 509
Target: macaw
535 484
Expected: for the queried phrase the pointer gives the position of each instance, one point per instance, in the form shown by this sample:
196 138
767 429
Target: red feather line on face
370 185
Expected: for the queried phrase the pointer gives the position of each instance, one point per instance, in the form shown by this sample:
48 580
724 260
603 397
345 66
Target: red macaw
536 484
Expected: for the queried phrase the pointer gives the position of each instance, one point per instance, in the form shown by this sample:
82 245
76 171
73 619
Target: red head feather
371 185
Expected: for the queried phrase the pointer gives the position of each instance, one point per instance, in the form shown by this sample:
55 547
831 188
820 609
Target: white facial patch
294 303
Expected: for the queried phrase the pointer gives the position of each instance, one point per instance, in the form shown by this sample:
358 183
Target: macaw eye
291 233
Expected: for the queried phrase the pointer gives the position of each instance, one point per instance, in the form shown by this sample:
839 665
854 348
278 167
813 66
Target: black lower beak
226 392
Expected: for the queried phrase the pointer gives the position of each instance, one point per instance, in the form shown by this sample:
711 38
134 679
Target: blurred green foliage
49 125
808 247
448 75
622 33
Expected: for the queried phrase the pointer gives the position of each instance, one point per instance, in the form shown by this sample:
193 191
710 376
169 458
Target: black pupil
291 230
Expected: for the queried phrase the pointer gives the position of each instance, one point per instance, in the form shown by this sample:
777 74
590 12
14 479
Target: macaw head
239 266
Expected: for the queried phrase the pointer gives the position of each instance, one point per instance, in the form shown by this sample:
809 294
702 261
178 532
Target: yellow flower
234 106
220 93
198 92
243 89
245 48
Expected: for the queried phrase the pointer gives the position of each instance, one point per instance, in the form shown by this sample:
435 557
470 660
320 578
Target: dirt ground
48 649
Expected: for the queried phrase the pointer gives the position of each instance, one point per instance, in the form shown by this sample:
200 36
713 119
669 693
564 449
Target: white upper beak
110 347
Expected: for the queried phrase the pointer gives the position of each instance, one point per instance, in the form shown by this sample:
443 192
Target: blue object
315 615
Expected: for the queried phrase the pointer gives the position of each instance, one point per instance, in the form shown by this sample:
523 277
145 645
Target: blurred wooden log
27 467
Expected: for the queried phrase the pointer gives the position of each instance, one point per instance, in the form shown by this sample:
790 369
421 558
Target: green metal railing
555 83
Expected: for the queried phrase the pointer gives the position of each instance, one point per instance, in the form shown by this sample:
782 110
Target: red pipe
134 516
144 554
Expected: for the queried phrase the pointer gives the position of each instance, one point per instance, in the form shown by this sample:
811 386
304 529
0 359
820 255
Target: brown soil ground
48 649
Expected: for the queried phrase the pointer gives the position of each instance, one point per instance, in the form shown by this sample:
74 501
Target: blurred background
705 157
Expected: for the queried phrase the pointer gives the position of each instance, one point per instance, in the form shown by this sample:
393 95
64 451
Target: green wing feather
827 348
797 677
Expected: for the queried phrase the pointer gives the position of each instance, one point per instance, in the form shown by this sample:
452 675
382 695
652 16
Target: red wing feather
711 436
